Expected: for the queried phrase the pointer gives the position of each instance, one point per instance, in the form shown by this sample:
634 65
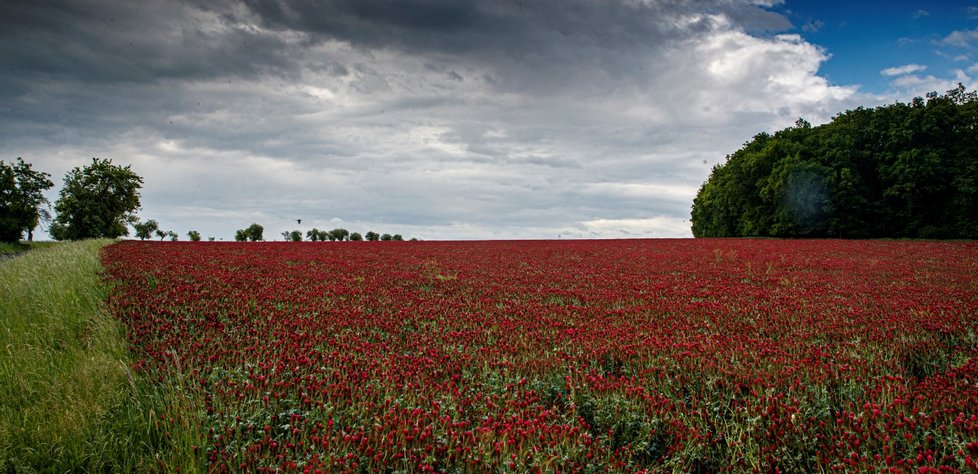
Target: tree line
339 235
906 170
101 200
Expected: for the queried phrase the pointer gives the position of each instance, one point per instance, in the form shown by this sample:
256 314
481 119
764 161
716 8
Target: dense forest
901 170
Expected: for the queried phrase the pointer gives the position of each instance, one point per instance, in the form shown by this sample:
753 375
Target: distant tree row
255 233
101 200
146 230
337 235
901 170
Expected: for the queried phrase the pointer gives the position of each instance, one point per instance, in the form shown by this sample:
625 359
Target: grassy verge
11 248
69 399
7 248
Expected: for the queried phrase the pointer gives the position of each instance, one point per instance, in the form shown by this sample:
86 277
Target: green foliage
194 236
339 234
145 230
22 201
254 233
292 236
13 248
98 200
162 234
902 170
317 235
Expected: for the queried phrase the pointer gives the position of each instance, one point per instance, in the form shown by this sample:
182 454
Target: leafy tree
194 236
22 201
339 234
292 235
314 235
372 236
145 230
173 236
901 170
355 237
162 234
397 237
98 200
254 233
386 237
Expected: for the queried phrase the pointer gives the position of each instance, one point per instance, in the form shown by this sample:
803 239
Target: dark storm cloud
532 46
426 117
506 24
128 42
541 33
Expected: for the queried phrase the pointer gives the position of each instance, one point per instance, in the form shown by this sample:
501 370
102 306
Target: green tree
254 233
194 236
372 236
173 235
901 170
356 237
162 234
386 237
339 234
145 230
398 237
292 235
314 235
22 201
98 200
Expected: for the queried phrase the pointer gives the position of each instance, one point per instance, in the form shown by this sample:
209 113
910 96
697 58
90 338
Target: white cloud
962 38
913 85
776 76
902 70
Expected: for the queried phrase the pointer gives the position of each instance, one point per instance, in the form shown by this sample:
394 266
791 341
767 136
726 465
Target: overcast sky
447 119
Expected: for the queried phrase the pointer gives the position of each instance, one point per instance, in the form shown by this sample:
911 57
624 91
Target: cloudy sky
447 119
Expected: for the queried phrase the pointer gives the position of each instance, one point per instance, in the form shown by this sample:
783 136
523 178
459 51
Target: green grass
68 399
7 248
13 247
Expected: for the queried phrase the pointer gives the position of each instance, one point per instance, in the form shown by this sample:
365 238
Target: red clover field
691 355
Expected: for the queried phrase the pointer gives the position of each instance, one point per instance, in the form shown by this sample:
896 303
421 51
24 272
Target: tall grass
68 400
13 248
